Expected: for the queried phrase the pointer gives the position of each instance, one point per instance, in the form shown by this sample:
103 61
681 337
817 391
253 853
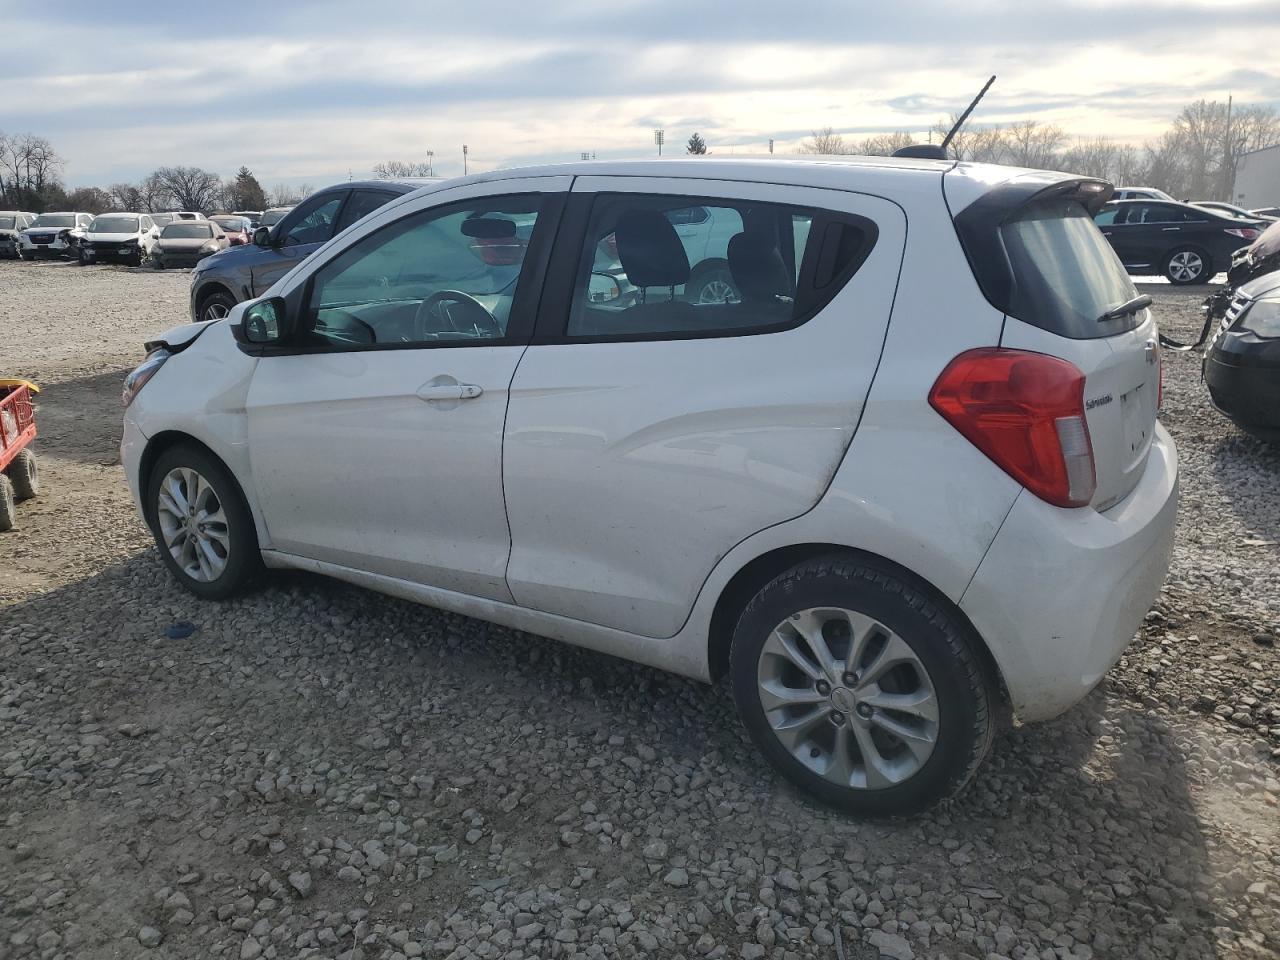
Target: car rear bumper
1061 593
180 259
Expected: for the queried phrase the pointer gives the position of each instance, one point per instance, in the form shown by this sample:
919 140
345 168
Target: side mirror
603 288
263 323
262 237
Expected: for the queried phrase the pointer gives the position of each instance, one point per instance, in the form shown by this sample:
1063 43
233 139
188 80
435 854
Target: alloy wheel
1186 266
848 698
215 310
193 524
717 290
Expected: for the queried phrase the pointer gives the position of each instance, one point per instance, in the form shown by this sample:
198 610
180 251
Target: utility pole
771 146
464 159
659 137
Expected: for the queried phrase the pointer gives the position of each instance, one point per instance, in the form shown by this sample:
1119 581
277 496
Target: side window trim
566 259
524 309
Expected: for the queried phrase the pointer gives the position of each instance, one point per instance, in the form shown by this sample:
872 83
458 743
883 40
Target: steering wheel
471 317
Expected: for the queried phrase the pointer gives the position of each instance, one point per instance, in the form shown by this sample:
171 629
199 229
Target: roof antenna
930 151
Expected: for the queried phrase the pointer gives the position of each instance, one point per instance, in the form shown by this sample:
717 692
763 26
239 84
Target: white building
1258 178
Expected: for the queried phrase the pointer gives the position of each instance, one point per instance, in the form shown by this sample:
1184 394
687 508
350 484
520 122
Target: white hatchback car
911 482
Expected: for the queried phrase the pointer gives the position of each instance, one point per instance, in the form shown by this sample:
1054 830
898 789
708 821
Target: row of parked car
1185 242
172 239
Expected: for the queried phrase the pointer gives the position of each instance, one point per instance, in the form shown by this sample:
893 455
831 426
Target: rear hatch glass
1066 278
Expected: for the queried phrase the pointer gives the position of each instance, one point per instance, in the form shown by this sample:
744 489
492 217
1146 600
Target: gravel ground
318 771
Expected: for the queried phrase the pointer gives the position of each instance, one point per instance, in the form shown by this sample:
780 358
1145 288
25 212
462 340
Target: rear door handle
1169 229
449 391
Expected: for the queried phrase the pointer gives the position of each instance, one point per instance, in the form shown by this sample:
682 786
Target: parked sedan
238 229
184 243
1242 363
1185 243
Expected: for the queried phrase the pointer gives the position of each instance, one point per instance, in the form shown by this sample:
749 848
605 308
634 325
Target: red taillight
1244 233
1026 412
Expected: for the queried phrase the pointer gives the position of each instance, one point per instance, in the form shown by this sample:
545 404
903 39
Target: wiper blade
1127 309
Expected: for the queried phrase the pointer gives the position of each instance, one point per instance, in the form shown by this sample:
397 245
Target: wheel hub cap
193 524
871 734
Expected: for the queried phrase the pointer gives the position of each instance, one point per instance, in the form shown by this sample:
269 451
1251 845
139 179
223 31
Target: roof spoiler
929 151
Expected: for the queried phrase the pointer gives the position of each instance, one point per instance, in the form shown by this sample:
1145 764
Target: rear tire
885 657
8 505
712 283
1187 265
201 523
156 263
24 473
215 306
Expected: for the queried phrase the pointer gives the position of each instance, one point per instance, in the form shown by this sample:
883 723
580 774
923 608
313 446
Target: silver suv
239 273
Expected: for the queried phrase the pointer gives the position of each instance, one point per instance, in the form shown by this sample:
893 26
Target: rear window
234 224
187 230
1065 273
660 267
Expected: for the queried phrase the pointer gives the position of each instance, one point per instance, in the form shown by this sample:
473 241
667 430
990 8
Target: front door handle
449 391
1169 229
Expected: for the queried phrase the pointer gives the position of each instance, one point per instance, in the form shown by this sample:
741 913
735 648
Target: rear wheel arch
760 571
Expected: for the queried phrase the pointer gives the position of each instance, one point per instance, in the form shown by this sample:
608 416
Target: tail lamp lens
1025 411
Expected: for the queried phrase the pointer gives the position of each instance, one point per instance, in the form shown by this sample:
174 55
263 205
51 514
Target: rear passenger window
668 266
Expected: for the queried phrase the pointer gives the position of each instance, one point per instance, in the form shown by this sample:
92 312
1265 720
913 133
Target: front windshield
6 223
187 230
114 224
55 220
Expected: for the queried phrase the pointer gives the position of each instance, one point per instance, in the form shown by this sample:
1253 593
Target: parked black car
1242 361
1185 243
240 273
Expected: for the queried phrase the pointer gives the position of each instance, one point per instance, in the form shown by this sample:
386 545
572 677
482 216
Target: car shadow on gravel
80 419
1085 825
1239 463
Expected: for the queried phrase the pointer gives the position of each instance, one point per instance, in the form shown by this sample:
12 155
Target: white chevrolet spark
903 481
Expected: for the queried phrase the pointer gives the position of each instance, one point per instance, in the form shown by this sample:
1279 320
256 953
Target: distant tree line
31 179
1195 159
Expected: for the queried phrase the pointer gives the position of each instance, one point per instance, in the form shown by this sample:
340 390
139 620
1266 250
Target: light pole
431 163
659 137
464 159
771 146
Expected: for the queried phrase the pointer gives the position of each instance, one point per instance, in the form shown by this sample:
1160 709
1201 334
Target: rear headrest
650 250
757 268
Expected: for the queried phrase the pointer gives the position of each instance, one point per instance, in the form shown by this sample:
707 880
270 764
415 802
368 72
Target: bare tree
283 195
884 145
90 200
978 144
825 142
1034 144
126 196
189 188
1095 157
398 169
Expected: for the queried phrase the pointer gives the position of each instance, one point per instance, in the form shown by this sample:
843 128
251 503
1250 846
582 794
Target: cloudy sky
306 92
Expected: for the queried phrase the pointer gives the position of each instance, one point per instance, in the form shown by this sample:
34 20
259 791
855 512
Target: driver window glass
445 274
314 225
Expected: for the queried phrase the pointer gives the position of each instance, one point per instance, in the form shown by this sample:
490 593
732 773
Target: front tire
83 257
201 523
860 688
1187 265
24 473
